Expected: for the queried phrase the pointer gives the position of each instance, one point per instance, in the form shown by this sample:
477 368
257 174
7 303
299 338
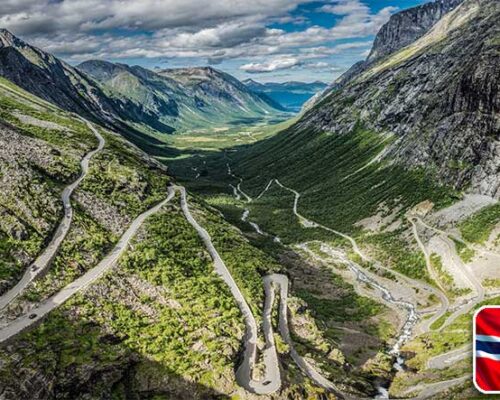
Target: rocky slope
420 124
438 98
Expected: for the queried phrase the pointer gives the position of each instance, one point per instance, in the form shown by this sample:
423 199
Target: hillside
184 99
291 95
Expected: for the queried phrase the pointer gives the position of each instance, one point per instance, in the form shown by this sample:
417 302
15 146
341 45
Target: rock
439 96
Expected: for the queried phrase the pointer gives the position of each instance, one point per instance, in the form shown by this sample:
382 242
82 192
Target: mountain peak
8 39
409 25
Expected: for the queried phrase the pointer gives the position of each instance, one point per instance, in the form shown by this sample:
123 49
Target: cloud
209 30
271 66
42 16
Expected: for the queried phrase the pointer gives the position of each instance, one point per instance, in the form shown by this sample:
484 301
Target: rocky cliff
407 26
438 98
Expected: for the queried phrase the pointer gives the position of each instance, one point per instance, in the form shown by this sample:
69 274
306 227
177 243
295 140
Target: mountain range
140 101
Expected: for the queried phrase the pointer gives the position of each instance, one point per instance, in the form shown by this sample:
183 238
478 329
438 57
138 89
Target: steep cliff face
407 26
49 78
438 97
401 30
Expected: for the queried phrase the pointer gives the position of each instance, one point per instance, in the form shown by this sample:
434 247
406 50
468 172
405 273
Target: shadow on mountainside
68 358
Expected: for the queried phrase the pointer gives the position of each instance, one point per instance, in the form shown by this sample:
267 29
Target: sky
265 40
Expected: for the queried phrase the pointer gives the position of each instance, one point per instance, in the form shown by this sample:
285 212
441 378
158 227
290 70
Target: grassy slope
121 330
316 164
31 198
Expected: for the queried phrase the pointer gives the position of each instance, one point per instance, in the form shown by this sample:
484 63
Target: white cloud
214 30
272 65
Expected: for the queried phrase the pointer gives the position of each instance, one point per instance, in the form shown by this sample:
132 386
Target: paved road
271 381
44 260
308 369
26 321
447 359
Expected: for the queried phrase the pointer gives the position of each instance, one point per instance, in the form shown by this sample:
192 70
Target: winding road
44 260
445 303
270 382
35 315
474 281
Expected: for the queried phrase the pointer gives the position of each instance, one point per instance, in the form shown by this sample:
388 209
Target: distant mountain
291 95
135 100
188 98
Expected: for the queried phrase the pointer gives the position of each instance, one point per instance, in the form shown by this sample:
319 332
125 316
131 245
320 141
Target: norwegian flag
487 349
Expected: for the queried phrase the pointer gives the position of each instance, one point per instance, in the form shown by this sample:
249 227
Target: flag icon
487 349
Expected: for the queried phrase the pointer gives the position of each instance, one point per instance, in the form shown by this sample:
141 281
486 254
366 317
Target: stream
408 326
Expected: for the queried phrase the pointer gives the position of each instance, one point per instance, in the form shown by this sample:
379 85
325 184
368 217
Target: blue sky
266 40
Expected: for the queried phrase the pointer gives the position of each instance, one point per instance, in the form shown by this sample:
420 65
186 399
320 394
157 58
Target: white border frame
474 351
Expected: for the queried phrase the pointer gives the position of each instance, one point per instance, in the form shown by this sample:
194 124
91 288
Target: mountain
136 101
402 29
424 117
290 95
185 99
343 257
405 27
49 78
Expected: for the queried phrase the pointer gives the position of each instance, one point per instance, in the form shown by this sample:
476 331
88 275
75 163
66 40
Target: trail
44 260
35 315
